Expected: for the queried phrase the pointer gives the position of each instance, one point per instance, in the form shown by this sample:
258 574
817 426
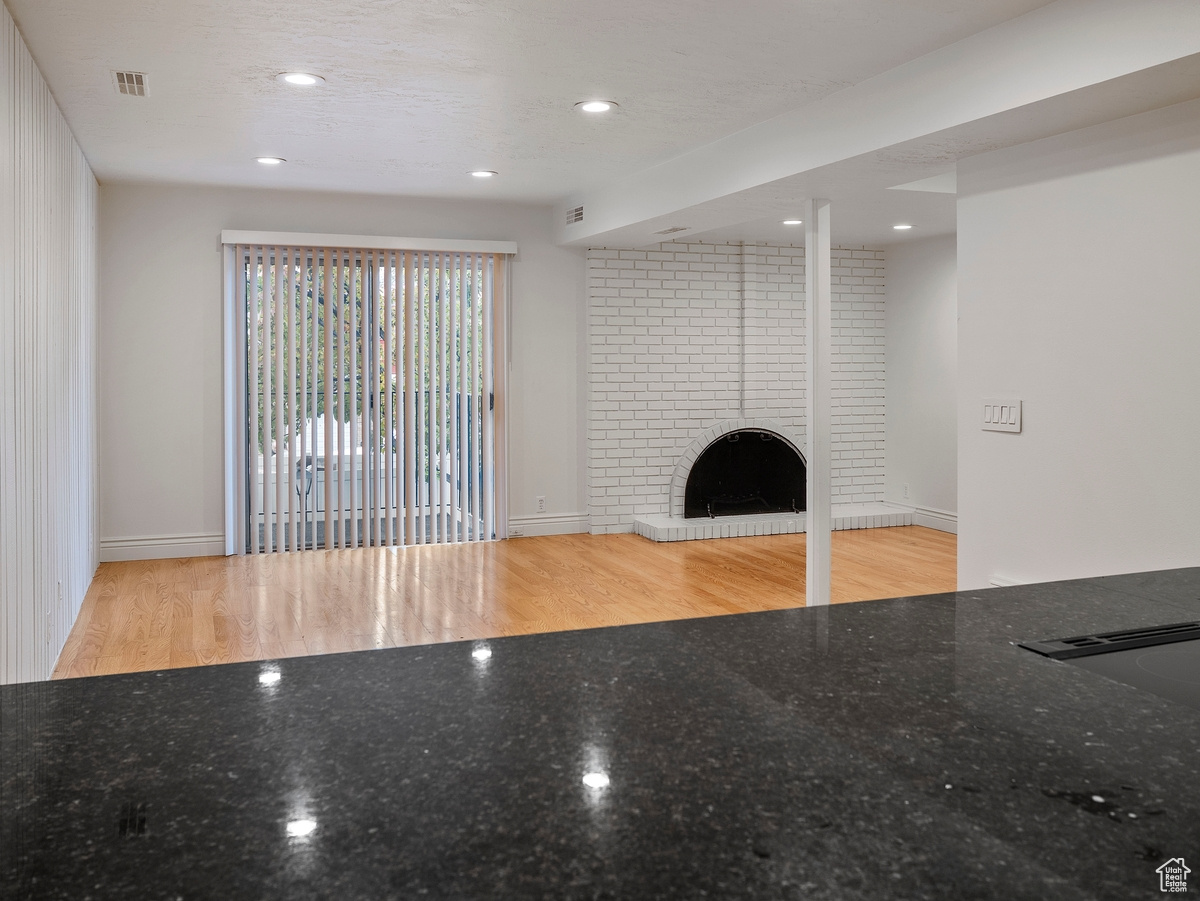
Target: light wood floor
158 614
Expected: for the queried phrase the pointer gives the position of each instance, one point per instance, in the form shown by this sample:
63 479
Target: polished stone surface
887 749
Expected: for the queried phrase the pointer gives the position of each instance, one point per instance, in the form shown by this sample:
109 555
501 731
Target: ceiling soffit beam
1064 47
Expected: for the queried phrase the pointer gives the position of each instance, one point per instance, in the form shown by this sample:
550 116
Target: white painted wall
921 316
160 349
47 369
1079 293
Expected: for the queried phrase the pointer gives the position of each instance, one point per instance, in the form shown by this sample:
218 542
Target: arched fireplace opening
745 472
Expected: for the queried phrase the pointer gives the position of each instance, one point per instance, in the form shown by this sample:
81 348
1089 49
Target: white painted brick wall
666 362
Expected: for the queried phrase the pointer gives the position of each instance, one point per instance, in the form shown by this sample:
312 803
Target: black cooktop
1171 671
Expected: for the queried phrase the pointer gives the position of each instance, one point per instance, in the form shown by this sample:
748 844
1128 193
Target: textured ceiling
420 92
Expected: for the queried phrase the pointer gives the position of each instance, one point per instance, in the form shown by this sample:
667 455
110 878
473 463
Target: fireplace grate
736 477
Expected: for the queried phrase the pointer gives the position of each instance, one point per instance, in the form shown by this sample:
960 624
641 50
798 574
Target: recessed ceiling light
902 227
483 173
270 160
596 106
793 221
300 79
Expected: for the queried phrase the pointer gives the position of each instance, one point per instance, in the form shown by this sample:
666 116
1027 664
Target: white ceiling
419 92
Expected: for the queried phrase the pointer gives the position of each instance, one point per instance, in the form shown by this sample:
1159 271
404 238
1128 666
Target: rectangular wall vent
130 83
574 215
672 230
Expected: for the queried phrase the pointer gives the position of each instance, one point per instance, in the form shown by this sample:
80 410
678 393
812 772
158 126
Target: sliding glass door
370 386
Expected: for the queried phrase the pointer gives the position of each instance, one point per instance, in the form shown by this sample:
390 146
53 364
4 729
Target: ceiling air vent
131 83
574 215
672 230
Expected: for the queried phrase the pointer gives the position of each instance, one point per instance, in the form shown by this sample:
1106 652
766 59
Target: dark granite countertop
889 749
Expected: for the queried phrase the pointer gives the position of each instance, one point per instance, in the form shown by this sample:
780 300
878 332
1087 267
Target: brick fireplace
689 339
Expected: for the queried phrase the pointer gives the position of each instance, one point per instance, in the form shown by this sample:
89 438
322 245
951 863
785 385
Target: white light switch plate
1001 414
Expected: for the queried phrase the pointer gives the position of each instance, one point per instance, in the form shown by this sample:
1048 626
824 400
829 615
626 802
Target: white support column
819 314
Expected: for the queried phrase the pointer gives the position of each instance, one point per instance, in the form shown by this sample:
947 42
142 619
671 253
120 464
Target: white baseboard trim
1001 582
932 518
613 529
547 524
161 547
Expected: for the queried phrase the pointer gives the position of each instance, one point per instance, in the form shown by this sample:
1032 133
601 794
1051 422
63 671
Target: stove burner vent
1103 642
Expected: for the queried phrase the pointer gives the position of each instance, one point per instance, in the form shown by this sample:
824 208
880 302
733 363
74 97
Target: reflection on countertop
903 748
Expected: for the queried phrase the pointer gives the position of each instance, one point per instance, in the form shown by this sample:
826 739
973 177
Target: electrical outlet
906 489
541 503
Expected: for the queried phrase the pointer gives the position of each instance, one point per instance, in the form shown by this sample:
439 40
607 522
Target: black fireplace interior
744 472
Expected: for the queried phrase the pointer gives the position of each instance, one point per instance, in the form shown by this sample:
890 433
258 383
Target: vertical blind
370 386
49 251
